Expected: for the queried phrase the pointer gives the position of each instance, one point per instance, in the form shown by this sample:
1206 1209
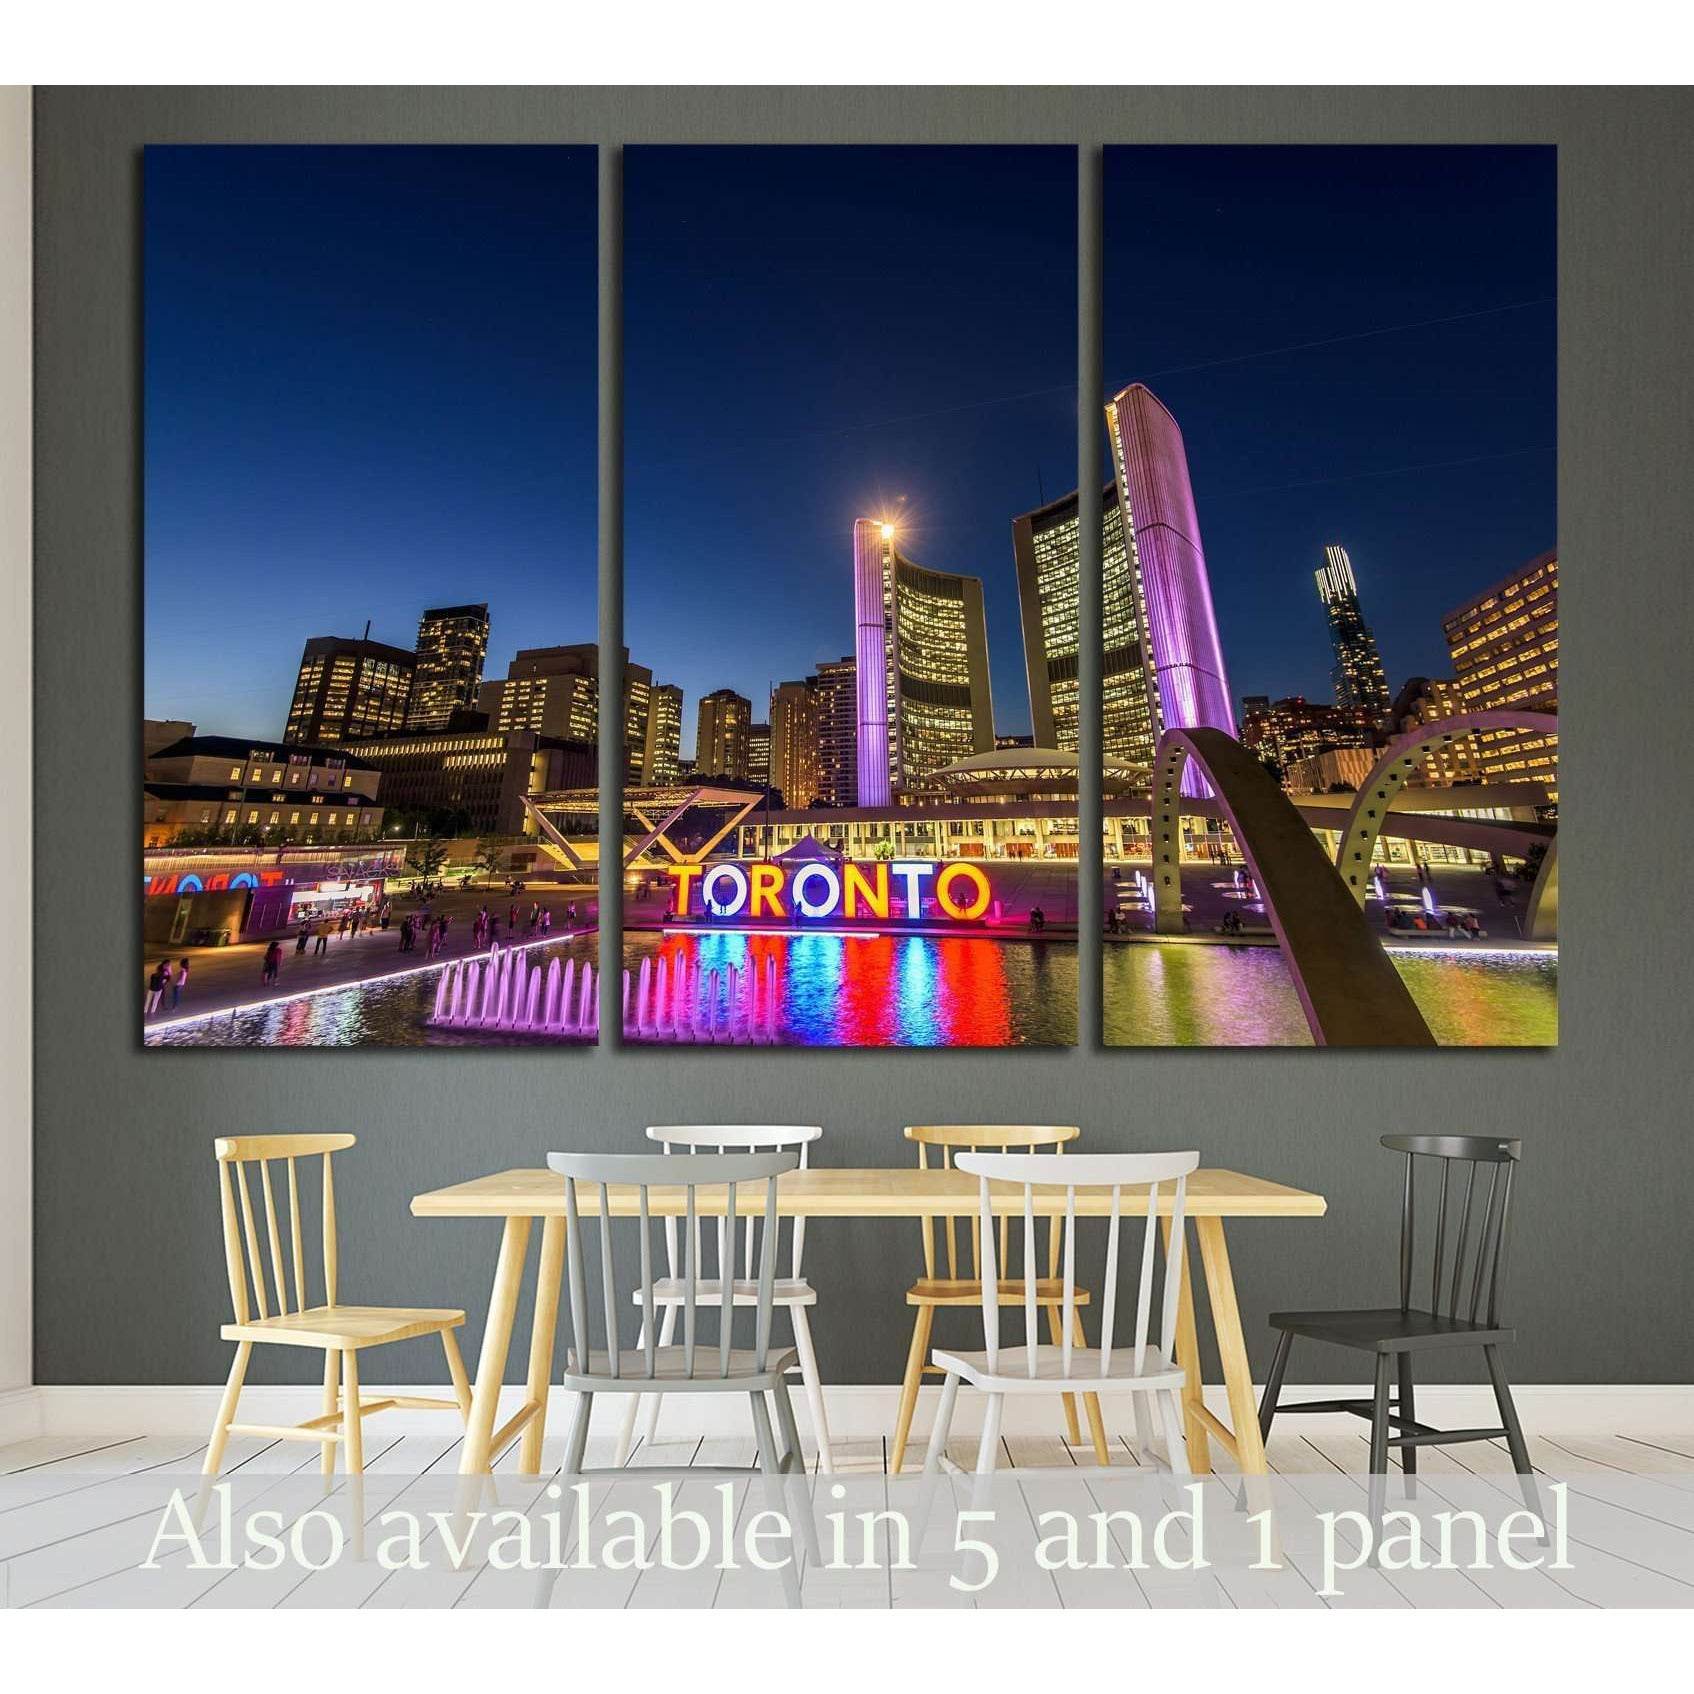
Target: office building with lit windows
348 689
1427 700
836 690
1358 677
1045 548
723 736
452 643
795 765
555 691
1284 732
921 645
663 748
1167 565
759 755
1505 647
479 779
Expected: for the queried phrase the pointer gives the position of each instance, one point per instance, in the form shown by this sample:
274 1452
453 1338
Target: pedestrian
322 933
178 983
156 987
273 963
301 939
546 920
341 927
570 914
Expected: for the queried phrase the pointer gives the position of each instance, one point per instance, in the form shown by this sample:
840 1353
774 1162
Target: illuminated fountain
502 991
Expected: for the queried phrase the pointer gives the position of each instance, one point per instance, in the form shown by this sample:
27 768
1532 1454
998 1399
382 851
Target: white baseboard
855 1413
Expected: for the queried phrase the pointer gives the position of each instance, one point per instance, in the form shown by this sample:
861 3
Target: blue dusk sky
370 388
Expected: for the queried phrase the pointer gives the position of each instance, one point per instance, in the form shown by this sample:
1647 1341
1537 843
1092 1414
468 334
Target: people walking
322 947
273 963
156 986
178 983
301 939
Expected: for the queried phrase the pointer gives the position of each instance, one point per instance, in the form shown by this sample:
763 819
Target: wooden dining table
519 1197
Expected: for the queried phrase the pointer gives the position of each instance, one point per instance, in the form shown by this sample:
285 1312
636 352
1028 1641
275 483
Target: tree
490 850
427 857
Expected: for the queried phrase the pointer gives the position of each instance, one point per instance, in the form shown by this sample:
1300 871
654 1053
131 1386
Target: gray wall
128 1280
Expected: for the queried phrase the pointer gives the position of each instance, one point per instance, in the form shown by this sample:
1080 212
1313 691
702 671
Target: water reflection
1208 996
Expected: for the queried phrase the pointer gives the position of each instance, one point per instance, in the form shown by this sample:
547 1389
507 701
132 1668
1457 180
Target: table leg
496 1338
1188 1356
541 1331
1232 1348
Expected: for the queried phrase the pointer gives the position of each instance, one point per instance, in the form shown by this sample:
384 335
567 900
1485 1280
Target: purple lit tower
873 546
1189 687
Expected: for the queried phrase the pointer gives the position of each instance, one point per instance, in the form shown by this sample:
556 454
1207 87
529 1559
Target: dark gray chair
1462 1311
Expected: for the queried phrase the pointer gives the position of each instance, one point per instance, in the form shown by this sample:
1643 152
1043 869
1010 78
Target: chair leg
794 1464
1514 1433
577 1444
988 1449
1407 1408
1176 1443
455 1370
650 1428
352 1420
813 1384
1091 1403
631 1410
1379 1448
770 1461
915 1358
943 1426
226 1410
332 1402
1056 1333
1273 1383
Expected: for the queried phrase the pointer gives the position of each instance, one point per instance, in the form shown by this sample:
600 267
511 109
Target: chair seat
1013 1377
673 1291
1390 1330
343 1327
964 1291
670 1370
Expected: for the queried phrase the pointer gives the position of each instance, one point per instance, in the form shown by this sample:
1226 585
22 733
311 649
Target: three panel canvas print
850 717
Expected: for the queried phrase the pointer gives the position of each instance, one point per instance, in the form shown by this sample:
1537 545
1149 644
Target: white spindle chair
792 1292
1147 1367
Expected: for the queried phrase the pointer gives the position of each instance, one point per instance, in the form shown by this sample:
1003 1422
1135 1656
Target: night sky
370 388
1427 452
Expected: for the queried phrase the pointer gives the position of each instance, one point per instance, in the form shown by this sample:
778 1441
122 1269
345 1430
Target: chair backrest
1114 1171
1500 1154
738 1138
645 1172
244 1256
952 1139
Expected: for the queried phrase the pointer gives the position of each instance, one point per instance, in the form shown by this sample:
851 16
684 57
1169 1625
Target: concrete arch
1390 774
1348 987
1541 920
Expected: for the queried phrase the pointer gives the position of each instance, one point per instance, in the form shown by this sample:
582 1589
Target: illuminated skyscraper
1044 544
1167 565
556 691
759 754
722 735
1505 647
664 735
452 642
922 653
795 764
347 689
837 694
1358 674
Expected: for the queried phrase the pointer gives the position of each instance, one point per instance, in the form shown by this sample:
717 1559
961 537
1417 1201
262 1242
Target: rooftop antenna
367 634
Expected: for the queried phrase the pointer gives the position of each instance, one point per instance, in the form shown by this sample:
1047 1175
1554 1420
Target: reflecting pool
1182 995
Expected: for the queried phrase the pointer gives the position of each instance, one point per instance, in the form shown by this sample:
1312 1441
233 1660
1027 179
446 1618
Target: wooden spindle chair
279 1312
1146 1367
932 1291
603 1365
1466 1272
793 1293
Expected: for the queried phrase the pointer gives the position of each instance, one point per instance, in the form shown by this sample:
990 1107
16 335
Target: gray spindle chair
793 1293
696 1366
1471 1317
340 1332
1147 1367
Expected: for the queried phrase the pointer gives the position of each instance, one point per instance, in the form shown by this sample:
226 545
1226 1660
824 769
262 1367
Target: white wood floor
76 1520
